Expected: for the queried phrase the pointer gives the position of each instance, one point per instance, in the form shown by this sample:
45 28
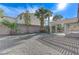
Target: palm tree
1 12
41 13
49 13
57 16
10 25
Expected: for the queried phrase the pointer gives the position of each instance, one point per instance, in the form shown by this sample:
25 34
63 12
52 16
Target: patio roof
67 21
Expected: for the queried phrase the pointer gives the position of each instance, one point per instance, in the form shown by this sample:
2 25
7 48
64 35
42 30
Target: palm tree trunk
42 29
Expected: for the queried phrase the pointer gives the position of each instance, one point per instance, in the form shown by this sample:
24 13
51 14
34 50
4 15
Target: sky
67 10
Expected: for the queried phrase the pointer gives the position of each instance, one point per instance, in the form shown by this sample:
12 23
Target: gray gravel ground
31 47
45 44
64 45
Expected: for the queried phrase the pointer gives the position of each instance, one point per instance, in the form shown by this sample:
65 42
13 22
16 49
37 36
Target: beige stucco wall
34 19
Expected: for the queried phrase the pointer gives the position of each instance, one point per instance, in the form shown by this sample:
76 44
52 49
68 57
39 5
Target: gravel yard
31 47
45 44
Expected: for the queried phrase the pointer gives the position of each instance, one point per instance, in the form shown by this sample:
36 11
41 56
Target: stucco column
56 28
50 26
65 28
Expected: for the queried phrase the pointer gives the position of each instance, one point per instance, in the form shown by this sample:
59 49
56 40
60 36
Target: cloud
60 7
12 11
32 9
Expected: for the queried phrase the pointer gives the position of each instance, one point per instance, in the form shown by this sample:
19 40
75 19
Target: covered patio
69 25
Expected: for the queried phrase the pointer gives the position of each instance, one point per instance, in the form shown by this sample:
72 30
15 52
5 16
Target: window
20 17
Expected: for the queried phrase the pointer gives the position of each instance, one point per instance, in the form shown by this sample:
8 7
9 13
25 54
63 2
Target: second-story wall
33 18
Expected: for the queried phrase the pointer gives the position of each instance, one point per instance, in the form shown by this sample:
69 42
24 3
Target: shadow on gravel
4 44
10 47
49 43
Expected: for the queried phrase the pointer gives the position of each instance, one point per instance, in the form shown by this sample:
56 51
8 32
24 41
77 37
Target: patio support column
56 28
65 29
50 27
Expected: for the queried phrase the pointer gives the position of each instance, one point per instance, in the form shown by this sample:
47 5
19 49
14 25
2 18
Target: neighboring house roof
11 19
74 28
67 21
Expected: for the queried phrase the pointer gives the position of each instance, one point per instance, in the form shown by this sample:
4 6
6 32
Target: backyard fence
21 29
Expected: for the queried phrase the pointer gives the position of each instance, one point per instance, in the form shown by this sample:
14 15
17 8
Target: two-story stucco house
22 28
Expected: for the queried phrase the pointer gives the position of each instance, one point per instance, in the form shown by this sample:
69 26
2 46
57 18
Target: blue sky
68 10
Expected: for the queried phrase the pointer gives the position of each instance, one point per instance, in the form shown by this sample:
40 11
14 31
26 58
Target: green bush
12 26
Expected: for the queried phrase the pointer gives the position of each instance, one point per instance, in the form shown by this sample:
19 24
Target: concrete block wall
28 29
4 30
22 29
